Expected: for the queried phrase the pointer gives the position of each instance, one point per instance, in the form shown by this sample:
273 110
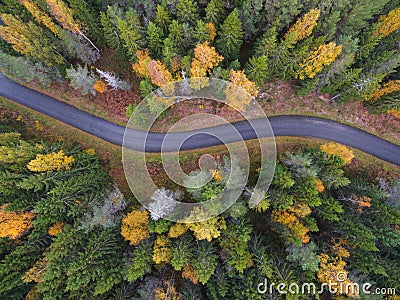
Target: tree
207 56
204 261
100 86
240 93
114 81
340 150
305 25
135 227
109 21
130 32
187 11
64 15
388 24
29 39
41 16
163 18
315 62
205 229
158 73
162 250
155 37
181 253
140 263
55 161
387 88
14 224
215 11
251 16
230 36
56 228
81 79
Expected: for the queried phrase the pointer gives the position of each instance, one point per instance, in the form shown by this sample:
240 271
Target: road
281 125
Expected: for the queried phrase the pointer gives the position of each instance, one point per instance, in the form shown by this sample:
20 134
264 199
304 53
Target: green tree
130 32
187 11
163 19
230 36
140 262
215 11
251 16
155 37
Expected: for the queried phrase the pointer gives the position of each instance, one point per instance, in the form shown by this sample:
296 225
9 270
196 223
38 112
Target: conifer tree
155 37
215 11
29 39
187 11
230 36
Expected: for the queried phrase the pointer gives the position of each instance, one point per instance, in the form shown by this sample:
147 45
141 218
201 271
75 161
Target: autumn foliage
337 149
389 23
162 250
318 59
56 228
389 87
135 227
100 86
54 161
14 224
291 221
305 25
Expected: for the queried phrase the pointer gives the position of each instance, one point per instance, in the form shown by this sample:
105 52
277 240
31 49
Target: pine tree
64 15
155 37
251 17
109 21
30 40
230 36
88 18
187 11
130 32
215 11
163 18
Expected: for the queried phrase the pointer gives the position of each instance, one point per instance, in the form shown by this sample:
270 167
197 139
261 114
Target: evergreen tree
251 16
187 11
230 36
130 32
155 37
215 11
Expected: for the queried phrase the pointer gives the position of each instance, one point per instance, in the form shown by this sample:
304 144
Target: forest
346 49
67 231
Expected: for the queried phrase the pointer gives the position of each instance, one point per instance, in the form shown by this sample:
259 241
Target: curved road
281 125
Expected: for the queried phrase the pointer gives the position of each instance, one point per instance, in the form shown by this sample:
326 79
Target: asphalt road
281 126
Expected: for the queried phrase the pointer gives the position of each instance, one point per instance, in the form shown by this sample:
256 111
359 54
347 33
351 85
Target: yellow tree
54 161
205 229
100 86
212 32
319 185
29 39
135 227
305 25
240 93
167 292
14 224
388 24
291 221
338 149
318 59
394 112
177 230
332 272
140 66
40 16
162 250
36 272
389 87
65 17
208 57
56 228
